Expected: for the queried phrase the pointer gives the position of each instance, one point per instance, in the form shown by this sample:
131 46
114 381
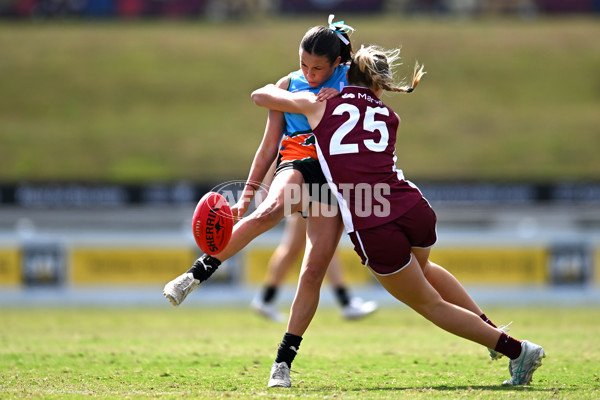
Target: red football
212 223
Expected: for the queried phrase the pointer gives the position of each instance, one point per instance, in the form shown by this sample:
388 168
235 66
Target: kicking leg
279 201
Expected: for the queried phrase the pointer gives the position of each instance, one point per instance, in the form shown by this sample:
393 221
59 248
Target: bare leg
292 244
412 288
284 257
268 214
281 200
335 276
323 235
445 283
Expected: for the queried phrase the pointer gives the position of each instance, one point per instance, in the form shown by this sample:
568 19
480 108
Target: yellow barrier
489 265
10 266
129 266
469 265
495 265
257 261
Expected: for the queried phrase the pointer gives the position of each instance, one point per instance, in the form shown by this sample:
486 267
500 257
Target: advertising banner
10 266
128 266
257 260
495 265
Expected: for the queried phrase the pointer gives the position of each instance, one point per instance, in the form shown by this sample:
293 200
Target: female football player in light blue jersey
324 53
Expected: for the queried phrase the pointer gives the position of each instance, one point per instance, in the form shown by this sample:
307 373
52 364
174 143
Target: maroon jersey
356 147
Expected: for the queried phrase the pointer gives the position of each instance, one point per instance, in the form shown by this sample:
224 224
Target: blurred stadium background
116 116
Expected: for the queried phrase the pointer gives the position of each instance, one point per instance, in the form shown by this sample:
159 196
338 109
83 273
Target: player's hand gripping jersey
357 137
298 142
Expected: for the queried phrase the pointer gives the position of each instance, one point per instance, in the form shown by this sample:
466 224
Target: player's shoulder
296 76
284 83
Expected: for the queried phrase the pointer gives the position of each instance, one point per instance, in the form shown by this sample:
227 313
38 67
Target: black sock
204 267
487 320
341 294
269 293
288 348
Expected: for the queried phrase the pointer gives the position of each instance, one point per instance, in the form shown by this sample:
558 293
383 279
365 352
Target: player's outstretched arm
305 103
274 98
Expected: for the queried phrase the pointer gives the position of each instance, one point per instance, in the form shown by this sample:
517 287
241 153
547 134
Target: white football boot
267 310
522 368
177 290
358 308
280 375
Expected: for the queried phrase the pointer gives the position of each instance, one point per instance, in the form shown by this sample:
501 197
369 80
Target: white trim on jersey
344 209
395 272
398 172
362 248
412 185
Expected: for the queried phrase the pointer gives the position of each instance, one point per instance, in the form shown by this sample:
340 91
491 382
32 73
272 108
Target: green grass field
146 101
227 353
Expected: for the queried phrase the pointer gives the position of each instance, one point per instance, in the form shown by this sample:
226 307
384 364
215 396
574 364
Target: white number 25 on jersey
369 124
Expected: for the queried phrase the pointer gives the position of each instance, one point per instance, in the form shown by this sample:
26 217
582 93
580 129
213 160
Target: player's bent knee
431 309
313 275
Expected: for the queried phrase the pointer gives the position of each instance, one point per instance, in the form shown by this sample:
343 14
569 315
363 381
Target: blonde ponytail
373 66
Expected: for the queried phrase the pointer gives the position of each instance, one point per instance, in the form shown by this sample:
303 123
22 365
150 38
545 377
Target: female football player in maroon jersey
325 52
389 222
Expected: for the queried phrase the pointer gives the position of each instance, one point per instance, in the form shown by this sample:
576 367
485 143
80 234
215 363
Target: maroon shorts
387 248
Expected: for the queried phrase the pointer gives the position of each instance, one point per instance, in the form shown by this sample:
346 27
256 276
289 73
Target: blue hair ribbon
339 28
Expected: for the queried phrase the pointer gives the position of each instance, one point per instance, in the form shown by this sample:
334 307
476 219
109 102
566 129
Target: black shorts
318 188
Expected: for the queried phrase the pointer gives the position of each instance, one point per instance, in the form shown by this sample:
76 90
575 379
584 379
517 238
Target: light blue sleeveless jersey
297 123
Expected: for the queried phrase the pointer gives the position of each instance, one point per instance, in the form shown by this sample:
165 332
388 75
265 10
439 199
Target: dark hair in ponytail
322 41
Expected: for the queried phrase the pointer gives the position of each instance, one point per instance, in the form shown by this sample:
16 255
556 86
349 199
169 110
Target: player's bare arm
264 157
298 103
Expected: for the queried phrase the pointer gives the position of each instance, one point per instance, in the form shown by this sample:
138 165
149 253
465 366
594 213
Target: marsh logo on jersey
348 96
